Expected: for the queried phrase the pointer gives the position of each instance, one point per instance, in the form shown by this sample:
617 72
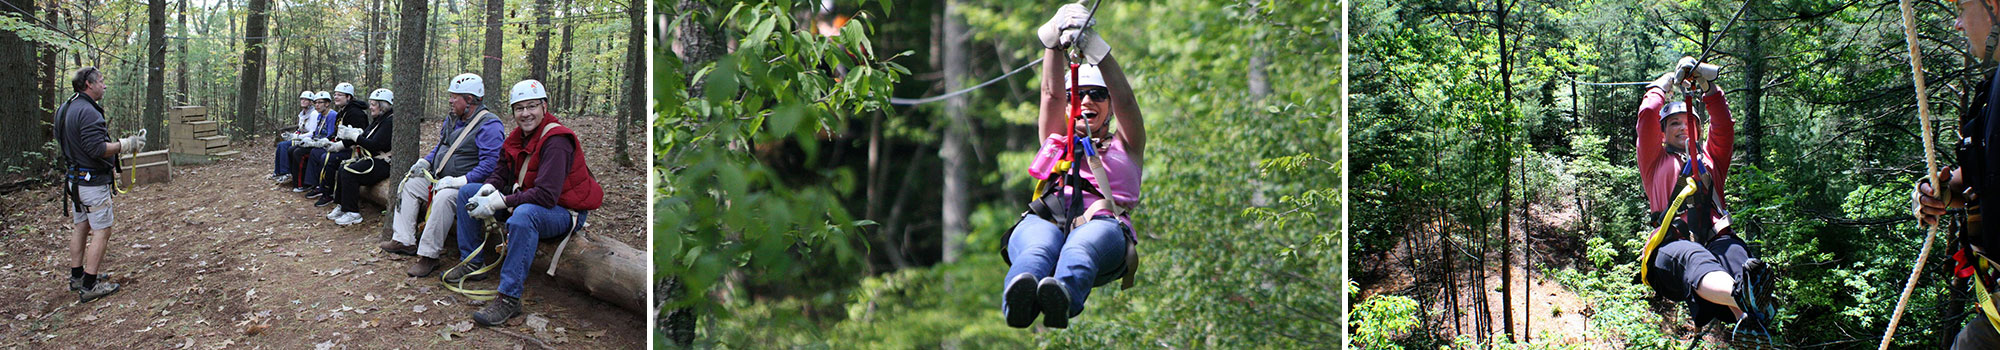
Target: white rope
1930 160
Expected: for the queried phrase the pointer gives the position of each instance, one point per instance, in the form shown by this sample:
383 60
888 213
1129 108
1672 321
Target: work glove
448 183
486 203
1055 34
336 146
422 165
1702 74
348 133
134 143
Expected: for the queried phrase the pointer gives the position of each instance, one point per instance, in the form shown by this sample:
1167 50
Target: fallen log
602 267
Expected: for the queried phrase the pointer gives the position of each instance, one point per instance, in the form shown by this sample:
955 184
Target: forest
1497 195
810 194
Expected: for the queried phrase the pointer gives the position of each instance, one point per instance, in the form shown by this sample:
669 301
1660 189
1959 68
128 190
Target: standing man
544 190
1976 170
468 151
90 155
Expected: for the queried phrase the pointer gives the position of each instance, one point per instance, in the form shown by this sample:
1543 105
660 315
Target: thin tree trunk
374 52
635 75
958 128
538 58
154 117
253 63
495 84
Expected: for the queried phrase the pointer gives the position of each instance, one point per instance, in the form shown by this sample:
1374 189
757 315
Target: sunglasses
1097 94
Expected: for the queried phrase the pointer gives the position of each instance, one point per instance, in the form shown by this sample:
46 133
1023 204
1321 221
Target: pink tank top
1121 181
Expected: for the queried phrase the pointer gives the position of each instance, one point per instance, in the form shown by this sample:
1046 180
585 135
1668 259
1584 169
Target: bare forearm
1054 67
1125 107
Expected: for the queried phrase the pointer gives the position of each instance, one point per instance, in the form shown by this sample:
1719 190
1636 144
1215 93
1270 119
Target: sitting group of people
532 181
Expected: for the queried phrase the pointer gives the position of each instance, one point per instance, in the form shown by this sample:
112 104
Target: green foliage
1378 322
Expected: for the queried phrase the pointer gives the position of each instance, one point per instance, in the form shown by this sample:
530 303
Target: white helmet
527 90
383 95
1671 109
322 95
344 88
308 95
468 83
1088 75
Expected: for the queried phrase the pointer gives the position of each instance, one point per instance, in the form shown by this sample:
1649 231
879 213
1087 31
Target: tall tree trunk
180 74
17 63
496 10
538 58
374 52
253 64
564 84
154 118
1753 105
635 75
1506 186
958 128
698 43
410 57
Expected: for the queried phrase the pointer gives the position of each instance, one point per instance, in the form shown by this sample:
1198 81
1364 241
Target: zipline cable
918 101
1930 161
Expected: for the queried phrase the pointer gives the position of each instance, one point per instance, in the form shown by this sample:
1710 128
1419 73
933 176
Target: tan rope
1930 160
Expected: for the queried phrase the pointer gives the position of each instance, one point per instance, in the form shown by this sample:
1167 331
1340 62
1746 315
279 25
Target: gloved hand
1055 33
422 165
348 133
1702 74
134 143
486 203
335 146
448 182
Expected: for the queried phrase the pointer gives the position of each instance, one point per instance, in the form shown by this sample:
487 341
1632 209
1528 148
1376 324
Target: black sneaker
464 272
1019 297
1054 300
497 311
323 201
1753 292
314 192
102 289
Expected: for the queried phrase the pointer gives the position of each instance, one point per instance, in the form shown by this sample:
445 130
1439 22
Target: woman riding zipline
1075 235
1694 255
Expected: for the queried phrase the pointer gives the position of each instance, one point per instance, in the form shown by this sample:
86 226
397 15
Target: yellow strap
1660 234
1985 299
477 294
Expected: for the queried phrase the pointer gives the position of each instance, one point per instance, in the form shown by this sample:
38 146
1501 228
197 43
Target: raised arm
1055 94
1125 107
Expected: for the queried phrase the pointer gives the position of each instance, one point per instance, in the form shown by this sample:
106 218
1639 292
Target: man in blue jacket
468 151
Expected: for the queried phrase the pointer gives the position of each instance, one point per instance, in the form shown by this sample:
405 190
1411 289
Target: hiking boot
464 272
1054 301
76 283
348 218
394 247
102 289
497 311
422 267
1019 298
323 201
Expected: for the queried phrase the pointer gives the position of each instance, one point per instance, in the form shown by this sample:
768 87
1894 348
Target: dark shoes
1753 295
422 267
1019 297
497 311
101 290
1053 299
323 201
464 272
394 247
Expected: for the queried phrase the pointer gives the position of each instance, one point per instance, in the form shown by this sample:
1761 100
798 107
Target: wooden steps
192 132
153 167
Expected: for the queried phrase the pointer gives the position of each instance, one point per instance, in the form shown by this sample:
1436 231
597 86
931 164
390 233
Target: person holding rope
311 150
1964 182
1701 260
89 155
353 115
281 171
468 151
543 190
369 163
1058 253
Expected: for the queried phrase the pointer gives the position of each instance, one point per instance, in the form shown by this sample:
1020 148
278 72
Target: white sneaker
334 215
286 178
349 218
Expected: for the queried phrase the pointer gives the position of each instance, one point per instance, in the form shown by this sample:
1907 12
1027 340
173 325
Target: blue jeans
284 162
1091 255
527 226
315 167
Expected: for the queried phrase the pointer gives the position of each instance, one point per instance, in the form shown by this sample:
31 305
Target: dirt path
221 258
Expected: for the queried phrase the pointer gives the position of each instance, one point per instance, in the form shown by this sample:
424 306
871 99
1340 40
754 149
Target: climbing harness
1930 161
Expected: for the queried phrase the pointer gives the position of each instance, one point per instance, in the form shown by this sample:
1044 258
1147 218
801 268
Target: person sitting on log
544 189
369 163
353 114
281 171
307 150
468 151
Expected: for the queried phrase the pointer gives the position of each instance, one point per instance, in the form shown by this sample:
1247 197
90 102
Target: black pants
349 185
1977 334
1678 266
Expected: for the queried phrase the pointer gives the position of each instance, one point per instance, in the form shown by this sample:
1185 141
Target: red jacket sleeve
1651 140
1721 136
